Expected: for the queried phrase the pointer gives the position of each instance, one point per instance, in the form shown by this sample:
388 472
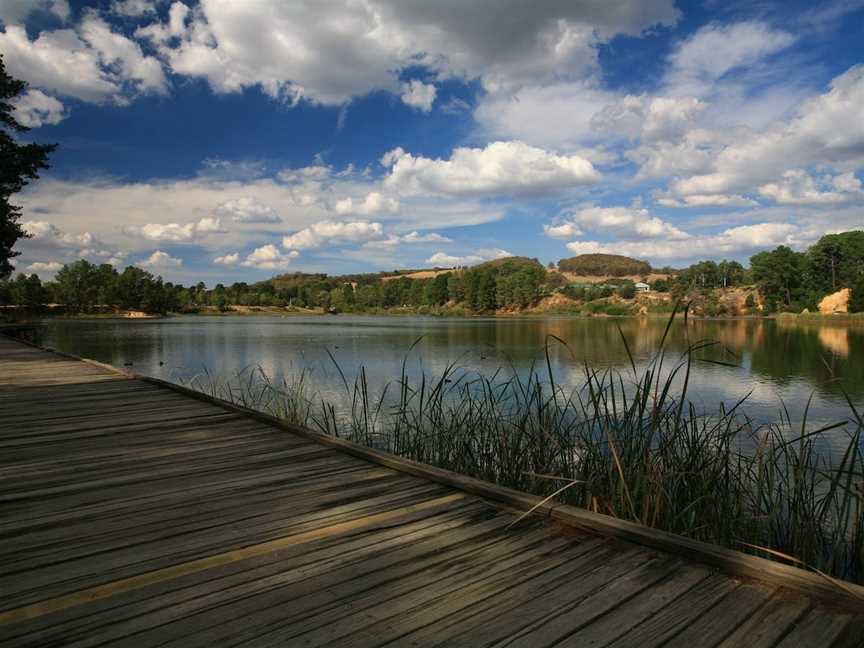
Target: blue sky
226 140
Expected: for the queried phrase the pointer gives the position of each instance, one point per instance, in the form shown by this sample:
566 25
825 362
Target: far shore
529 313
275 311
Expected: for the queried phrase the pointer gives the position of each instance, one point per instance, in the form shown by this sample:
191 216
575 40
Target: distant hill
512 263
292 279
604 265
295 279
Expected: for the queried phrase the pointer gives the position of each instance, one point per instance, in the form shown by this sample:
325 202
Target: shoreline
276 311
787 318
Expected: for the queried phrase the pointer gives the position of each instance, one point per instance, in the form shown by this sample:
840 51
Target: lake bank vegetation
626 444
777 281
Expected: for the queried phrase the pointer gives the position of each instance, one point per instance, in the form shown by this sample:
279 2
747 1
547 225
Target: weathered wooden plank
853 635
38 607
212 489
130 451
770 623
211 486
28 583
657 628
264 513
19 415
85 452
31 397
97 420
489 620
130 612
234 462
157 461
30 514
106 429
579 611
723 619
393 619
818 628
265 519
154 432
79 539
345 607
201 607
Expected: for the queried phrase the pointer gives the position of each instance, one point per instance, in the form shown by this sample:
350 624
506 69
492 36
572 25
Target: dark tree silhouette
19 163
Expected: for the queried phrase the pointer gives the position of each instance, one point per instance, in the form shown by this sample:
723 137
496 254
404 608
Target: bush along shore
777 281
629 445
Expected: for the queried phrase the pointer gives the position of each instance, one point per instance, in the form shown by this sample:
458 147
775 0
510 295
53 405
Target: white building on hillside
643 287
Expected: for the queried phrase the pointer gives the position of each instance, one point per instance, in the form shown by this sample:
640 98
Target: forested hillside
779 280
602 265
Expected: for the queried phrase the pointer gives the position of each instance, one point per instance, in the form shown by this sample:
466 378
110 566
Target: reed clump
631 441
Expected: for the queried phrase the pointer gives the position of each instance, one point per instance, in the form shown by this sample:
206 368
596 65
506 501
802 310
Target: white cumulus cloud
35 108
16 11
717 49
442 259
248 210
175 232
647 118
419 95
331 52
624 222
332 232
412 238
799 188
228 259
562 230
734 241
47 235
268 257
93 63
501 168
160 260
125 55
712 200
826 130
46 267
374 204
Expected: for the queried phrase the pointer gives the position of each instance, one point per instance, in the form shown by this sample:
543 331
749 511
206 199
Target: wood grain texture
137 513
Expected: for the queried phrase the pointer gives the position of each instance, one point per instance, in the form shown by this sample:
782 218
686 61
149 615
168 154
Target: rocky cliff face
837 302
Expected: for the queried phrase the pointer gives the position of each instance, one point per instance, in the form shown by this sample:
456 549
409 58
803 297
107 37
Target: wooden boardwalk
133 514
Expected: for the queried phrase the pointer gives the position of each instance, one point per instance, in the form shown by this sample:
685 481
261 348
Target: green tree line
786 279
82 286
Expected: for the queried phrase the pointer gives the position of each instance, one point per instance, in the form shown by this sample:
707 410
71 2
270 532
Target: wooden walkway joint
135 513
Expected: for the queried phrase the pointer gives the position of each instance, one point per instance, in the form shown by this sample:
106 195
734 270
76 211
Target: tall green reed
636 447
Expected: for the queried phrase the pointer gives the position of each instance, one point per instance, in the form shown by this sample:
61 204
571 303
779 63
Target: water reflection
775 361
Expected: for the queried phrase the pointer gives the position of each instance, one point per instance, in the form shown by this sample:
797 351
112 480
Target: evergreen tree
836 261
730 273
132 288
437 293
27 290
856 299
19 163
779 274
78 285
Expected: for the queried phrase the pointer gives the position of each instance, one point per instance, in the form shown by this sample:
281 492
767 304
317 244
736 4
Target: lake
776 362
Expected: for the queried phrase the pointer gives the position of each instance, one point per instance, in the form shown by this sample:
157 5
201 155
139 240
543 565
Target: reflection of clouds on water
773 360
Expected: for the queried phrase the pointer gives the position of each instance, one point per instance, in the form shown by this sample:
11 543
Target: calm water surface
775 363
